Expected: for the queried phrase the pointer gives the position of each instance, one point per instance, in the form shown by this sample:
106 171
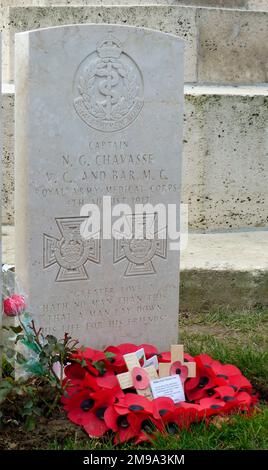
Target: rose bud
14 305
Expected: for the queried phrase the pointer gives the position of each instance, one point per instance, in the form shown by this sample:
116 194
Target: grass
236 433
239 338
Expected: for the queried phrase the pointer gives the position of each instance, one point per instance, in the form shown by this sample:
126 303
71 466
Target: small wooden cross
177 355
126 379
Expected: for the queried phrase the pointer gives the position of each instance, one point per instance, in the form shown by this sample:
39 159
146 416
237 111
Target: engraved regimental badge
108 88
70 252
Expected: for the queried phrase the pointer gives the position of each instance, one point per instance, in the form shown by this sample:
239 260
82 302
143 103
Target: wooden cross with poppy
177 364
137 376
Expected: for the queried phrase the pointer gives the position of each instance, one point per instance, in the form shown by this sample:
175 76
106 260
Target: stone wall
221 46
225 172
245 4
225 157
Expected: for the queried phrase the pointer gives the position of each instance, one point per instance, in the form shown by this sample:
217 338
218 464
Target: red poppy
245 401
205 360
116 360
130 417
111 419
194 408
69 390
226 374
226 371
127 348
232 397
84 357
89 354
90 383
75 372
140 378
77 406
177 368
107 380
133 402
162 406
149 350
181 417
197 387
211 406
188 358
120 425
87 409
73 385
225 392
95 425
164 356
144 426
240 383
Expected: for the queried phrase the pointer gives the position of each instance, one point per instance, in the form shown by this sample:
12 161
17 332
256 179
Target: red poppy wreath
95 400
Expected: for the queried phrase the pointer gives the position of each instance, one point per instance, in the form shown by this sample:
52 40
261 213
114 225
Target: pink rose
14 305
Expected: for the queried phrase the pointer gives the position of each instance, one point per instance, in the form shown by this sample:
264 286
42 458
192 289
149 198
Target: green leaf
19 338
30 423
55 359
61 348
109 355
16 329
10 353
51 339
37 411
48 349
28 405
30 344
35 368
3 394
84 363
100 366
5 388
21 359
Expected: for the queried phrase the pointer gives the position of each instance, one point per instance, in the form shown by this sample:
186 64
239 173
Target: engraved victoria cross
70 252
140 250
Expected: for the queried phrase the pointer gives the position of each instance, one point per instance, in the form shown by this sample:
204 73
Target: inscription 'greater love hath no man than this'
100 117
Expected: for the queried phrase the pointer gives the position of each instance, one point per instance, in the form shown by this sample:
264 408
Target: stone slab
8 185
233 46
225 165
70 122
227 271
258 5
176 20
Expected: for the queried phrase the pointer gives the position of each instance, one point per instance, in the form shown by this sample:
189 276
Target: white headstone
98 113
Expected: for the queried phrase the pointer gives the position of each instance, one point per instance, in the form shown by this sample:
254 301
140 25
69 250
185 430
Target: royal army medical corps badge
108 88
